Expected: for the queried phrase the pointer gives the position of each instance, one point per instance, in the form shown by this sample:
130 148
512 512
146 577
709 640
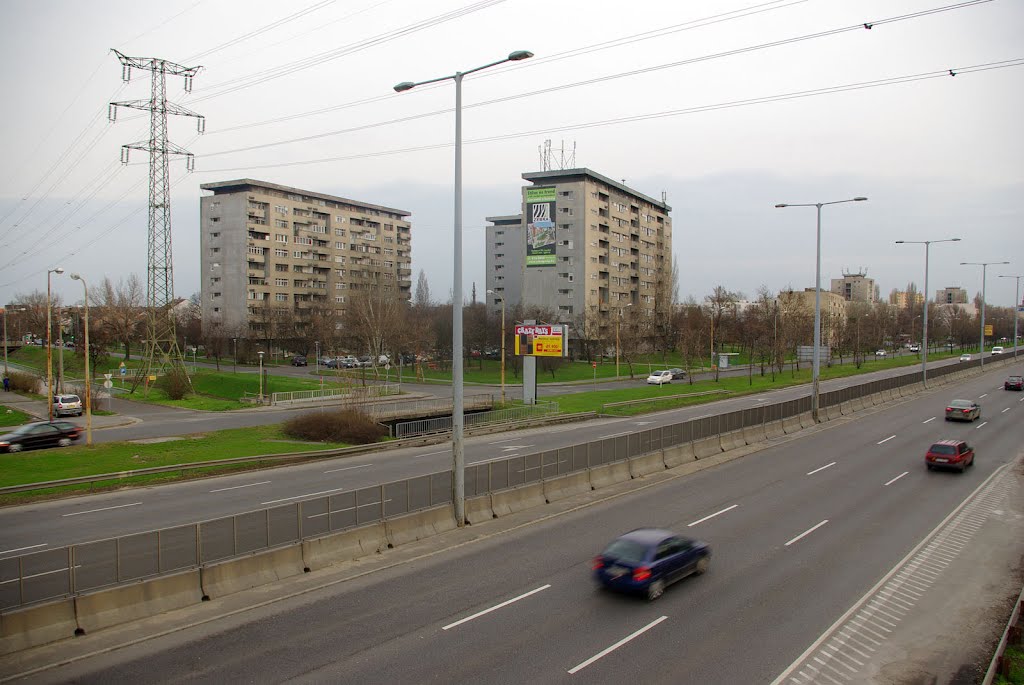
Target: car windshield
942 449
960 404
1016 379
659 373
626 550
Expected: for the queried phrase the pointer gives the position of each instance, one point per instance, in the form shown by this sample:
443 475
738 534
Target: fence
51 574
443 424
354 394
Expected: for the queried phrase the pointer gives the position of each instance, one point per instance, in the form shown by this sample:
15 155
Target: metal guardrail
354 394
45 575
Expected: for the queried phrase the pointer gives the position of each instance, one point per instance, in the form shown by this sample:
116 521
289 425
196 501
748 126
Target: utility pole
162 351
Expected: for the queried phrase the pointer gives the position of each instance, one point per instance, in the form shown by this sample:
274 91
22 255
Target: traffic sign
124 371
108 383
108 376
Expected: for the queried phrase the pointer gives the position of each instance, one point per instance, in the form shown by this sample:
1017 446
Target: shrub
24 382
175 383
346 425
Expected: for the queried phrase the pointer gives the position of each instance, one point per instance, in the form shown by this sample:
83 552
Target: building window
215 234
281 297
281 282
280 253
215 219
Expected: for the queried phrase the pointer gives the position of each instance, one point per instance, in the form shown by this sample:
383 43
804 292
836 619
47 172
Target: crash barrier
1000 665
443 424
44 576
353 394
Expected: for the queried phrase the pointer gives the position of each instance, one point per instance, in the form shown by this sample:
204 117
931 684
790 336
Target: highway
800 531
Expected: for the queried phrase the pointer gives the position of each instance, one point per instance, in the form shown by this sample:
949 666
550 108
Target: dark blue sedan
647 560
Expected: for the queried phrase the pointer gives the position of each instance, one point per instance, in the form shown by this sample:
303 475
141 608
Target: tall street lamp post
458 451
88 376
924 324
4 310
316 347
618 321
49 341
260 353
234 359
816 358
1017 307
502 346
984 269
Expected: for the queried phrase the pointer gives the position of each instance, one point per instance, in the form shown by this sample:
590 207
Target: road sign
108 376
593 364
124 371
108 383
988 329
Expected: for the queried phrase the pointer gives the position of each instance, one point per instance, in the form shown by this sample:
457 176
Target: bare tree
117 311
422 298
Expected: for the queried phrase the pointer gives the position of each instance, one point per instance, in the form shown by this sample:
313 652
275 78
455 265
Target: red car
949 454
1014 383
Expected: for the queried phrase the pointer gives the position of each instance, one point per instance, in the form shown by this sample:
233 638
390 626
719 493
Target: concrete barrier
567 486
402 530
678 455
774 429
609 474
754 434
791 424
347 545
846 408
831 412
858 403
807 419
252 571
707 447
106 608
732 440
512 501
478 509
37 625
646 464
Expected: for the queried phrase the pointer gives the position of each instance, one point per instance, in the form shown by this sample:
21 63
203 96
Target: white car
997 349
965 357
659 378
914 348
880 353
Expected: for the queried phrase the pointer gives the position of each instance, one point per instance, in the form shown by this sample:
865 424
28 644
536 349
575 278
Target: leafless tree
117 311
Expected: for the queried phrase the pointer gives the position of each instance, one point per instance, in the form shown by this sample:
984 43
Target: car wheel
655 589
702 565
64 442
929 466
14 447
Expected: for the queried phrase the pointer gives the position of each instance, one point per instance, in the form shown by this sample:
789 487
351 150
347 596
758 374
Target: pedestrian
7 384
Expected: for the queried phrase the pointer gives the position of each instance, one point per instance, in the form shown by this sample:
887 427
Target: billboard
536 340
540 226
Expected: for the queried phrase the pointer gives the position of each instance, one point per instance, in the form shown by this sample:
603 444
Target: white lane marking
338 511
429 454
806 532
311 494
897 477
886 440
92 511
580 667
642 423
820 468
22 549
496 607
236 487
711 516
983 423
929 420
613 435
982 395
1005 410
498 442
348 468
512 448
1021 399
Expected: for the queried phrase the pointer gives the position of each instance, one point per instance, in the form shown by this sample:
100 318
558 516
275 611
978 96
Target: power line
263 29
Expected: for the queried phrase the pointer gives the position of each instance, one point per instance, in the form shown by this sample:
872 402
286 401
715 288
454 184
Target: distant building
833 309
899 299
504 261
951 295
856 287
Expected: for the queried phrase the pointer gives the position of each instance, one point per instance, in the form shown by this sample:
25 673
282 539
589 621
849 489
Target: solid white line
498 442
417 456
982 395
897 477
806 532
929 420
820 468
349 468
711 516
1005 410
886 440
983 423
496 607
613 435
236 487
91 511
310 494
580 667
21 549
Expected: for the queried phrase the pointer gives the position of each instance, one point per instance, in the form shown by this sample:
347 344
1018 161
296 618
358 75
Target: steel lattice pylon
161 349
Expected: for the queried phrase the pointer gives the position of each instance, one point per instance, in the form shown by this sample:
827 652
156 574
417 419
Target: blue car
647 560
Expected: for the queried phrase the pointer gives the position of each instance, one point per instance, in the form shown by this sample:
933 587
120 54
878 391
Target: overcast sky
938 155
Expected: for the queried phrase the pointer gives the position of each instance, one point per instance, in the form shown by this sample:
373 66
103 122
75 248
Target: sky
728 107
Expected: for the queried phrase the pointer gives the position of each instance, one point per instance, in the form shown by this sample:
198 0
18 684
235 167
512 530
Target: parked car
965 357
949 454
39 435
647 560
1014 383
880 353
67 405
914 348
963 410
299 360
659 378
677 374
997 349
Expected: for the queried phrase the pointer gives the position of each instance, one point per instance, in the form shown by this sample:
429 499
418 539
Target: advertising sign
540 226
540 341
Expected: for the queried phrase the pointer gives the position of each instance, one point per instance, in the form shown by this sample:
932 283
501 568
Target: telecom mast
161 349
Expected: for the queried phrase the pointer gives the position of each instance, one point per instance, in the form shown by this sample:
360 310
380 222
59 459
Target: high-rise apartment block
268 249
951 295
856 287
584 246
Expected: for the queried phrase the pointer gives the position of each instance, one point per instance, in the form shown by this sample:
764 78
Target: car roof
647 536
951 443
954 402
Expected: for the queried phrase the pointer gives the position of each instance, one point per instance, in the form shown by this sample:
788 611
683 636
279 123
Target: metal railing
354 394
443 424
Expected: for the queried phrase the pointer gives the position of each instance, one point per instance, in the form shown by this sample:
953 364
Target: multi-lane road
801 532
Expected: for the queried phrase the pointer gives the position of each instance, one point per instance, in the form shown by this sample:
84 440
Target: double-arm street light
458 454
88 379
984 269
49 341
816 358
1017 306
924 334
491 292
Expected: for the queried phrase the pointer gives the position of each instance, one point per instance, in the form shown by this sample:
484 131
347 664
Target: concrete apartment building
589 246
951 295
901 299
270 247
856 287
833 310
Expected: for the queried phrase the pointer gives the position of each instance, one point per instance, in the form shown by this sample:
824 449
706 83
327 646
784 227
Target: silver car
67 405
963 410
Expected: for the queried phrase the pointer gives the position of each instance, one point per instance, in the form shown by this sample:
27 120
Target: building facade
856 287
833 310
951 295
504 261
269 250
901 299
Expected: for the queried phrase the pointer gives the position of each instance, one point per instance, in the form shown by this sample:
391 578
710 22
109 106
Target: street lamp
1017 307
924 333
88 380
984 269
4 310
260 353
816 363
234 359
49 341
617 322
458 453
502 346
316 348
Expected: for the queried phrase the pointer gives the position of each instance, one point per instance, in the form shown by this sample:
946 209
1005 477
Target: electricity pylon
161 349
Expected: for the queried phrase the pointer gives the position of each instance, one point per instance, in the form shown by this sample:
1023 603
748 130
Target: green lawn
12 417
